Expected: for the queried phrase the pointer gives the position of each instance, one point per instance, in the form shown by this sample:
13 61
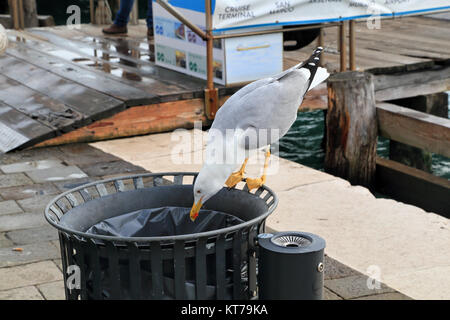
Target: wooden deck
60 85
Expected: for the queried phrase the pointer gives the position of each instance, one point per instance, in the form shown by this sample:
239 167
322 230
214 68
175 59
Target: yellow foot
255 183
258 182
234 179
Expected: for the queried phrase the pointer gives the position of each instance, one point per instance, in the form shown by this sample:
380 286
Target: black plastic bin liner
165 221
158 222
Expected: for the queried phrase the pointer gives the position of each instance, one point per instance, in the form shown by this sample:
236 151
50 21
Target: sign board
234 60
237 14
179 48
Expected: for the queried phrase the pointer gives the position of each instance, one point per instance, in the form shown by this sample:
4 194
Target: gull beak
195 209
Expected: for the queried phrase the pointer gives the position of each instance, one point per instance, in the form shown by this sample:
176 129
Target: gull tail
318 74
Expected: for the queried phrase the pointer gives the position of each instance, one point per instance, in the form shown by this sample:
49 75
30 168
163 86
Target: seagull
246 123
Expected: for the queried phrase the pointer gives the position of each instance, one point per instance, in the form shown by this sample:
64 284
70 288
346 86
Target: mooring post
351 127
342 47
211 93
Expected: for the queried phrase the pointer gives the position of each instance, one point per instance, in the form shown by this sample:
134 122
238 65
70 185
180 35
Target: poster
179 48
235 60
238 14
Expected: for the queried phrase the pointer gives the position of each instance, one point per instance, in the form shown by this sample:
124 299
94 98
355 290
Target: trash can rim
184 237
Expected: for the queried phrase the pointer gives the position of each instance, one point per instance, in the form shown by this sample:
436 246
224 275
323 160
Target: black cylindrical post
290 266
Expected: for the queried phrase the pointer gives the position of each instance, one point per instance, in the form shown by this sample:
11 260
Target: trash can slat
135 271
180 270
95 265
81 263
156 267
200 269
113 264
237 260
220 267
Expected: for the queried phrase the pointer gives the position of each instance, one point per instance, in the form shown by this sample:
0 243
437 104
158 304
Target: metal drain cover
291 241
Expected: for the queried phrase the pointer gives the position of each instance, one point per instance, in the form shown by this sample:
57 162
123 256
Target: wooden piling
342 47
351 45
351 130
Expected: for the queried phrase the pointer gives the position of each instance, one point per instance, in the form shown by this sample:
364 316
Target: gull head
210 180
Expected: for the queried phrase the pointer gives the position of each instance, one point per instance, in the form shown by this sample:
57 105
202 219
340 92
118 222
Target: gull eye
198 191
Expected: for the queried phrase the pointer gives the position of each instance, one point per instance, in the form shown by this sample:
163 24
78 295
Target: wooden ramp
61 85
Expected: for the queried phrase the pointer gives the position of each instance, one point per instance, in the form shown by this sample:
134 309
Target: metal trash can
217 264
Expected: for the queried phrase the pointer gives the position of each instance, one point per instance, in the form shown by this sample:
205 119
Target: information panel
236 14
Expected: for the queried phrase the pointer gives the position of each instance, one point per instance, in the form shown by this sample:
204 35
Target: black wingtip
312 63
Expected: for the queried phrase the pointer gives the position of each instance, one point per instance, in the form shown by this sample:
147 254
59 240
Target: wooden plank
18 130
86 101
141 67
137 121
413 186
118 72
46 110
85 77
315 99
412 90
382 46
401 38
414 128
388 81
411 84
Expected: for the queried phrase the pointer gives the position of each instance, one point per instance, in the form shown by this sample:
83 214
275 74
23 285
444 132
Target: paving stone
56 244
31 165
52 290
24 192
31 155
4 241
21 221
110 168
386 296
58 263
56 174
8 207
328 295
30 253
33 235
83 154
354 287
35 204
70 184
25 293
335 270
29 275
14 180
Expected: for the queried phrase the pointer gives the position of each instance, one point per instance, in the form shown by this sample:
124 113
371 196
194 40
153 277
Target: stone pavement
30 264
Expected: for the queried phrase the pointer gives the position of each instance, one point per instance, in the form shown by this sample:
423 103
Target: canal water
302 144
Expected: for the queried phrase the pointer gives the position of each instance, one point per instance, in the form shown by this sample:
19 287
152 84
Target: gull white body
265 110
3 40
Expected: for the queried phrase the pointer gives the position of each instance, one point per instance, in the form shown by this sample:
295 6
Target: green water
302 144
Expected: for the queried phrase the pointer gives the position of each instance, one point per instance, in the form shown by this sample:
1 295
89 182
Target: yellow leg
237 176
258 182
